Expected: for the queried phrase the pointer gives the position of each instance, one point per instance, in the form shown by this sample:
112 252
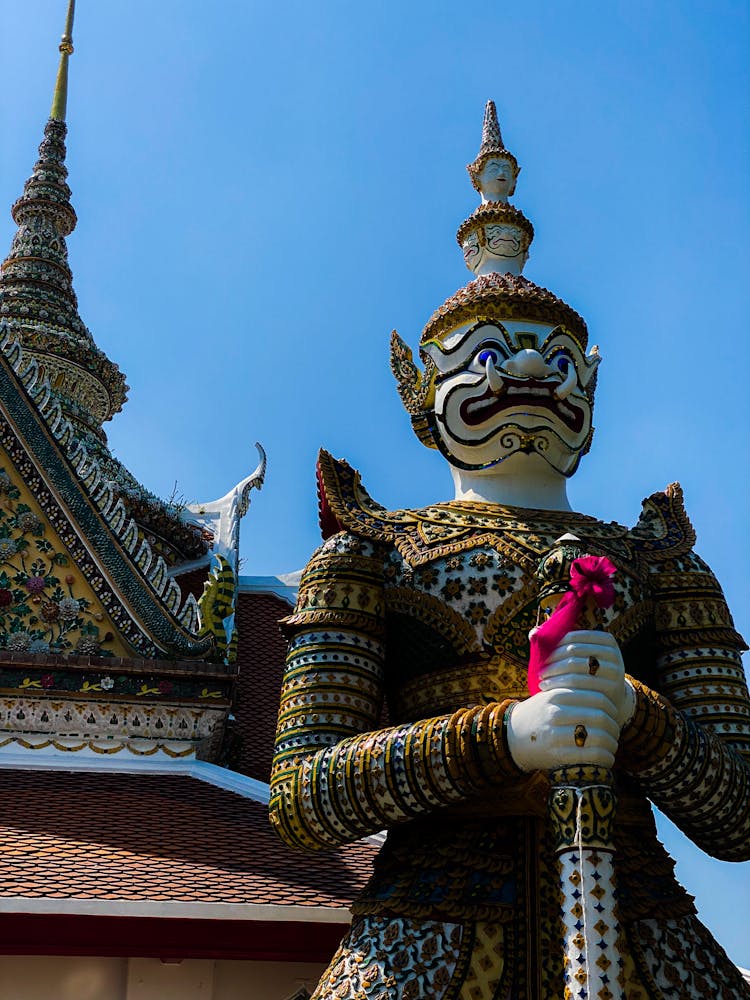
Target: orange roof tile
90 835
260 662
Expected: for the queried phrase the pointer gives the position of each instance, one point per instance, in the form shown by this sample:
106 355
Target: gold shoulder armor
664 529
345 505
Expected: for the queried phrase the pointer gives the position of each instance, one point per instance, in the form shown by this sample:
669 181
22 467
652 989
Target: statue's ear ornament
415 387
586 445
590 376
592 359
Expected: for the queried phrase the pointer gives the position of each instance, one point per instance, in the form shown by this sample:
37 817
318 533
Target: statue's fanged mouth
521 393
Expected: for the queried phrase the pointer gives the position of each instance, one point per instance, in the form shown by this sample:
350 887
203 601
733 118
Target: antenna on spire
60 99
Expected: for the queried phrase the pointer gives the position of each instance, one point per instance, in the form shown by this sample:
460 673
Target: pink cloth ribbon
590 579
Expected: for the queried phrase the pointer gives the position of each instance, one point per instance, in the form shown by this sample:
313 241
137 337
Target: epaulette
344 504
419 535
664 528
442 529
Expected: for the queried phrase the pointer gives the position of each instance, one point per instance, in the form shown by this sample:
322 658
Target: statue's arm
688 743
336 776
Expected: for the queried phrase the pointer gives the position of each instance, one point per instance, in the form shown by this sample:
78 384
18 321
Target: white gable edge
285 586
51 759
176 909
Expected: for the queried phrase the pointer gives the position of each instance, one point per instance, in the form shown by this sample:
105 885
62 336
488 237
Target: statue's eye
563 364
487 355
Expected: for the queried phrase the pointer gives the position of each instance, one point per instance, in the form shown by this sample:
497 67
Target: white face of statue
499 394
471 251
503 250
503 241
496 179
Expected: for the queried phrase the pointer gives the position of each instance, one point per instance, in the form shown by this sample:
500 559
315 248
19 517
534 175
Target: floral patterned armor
405 704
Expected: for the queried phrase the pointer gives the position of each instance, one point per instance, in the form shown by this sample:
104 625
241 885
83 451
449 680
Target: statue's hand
564 725
583 703
591 661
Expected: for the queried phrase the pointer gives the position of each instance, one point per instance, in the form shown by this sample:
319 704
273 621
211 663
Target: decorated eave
83 507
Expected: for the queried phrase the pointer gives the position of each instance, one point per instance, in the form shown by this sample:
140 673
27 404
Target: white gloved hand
542 730
583 693
592 661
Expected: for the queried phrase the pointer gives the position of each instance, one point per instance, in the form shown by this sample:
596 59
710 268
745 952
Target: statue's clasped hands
583 702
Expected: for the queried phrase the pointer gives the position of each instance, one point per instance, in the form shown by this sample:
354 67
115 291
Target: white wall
51 978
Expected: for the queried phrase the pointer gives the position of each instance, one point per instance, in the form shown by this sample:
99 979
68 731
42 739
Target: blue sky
265 191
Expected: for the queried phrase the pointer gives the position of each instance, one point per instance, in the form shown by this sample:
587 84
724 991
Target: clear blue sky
265 191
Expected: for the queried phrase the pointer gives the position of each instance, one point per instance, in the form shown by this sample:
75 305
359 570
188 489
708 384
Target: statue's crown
496 237
492 145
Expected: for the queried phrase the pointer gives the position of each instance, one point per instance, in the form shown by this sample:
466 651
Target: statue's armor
409 639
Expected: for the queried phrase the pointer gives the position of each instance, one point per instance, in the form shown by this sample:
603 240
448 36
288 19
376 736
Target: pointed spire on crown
496 237
37 301
492 139
492 148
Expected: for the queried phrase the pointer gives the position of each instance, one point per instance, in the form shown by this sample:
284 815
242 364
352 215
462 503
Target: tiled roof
260 660
97 836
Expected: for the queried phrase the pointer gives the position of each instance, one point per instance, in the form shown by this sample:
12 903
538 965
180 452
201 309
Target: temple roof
89 515
57 388
117 657
261 655
157 839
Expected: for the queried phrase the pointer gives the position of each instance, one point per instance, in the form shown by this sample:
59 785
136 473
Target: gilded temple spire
60 97
37 300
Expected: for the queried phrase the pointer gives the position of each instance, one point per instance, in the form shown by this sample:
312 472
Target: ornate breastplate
460 587
459 613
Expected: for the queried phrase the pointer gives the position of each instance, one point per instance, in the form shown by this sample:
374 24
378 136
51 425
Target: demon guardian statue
521 859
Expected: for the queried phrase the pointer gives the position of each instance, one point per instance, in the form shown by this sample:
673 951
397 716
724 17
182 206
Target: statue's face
498 394
471 250
503 241
496 179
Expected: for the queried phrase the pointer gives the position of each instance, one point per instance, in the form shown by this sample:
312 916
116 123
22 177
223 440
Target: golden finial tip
60 98
68 32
